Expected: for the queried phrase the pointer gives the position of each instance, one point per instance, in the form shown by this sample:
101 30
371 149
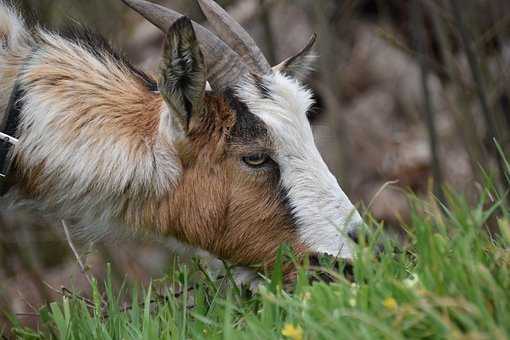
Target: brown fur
107 92
219 206
218 203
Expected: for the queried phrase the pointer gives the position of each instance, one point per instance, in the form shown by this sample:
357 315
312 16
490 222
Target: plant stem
420 45
479 84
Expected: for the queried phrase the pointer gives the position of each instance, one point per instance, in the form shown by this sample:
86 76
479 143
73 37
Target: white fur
324 212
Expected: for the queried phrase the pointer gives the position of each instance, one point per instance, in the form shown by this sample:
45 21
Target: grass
451 281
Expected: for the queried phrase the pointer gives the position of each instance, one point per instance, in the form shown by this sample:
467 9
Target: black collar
9 127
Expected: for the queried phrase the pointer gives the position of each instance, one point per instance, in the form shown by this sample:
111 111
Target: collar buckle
8 139
4 138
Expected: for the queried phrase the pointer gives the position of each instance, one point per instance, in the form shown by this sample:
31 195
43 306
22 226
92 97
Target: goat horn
224 66
235 36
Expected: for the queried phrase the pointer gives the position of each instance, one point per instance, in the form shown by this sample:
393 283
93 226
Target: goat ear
301 65
183 74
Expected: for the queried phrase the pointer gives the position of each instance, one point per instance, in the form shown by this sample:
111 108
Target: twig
480 86
67 293
496 29
265 17
466 126
419 42
75 252
28 315
381 189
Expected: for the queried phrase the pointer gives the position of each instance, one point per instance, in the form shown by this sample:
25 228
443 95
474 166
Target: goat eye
256 160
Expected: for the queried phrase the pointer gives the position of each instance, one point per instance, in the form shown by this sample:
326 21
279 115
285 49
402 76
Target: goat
216 155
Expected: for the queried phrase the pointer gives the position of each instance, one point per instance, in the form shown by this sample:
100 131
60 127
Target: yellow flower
390 303
292 332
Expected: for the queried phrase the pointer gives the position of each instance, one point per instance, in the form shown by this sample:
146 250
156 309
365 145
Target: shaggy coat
234 172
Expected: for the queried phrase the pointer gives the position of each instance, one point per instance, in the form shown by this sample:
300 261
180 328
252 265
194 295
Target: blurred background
410 96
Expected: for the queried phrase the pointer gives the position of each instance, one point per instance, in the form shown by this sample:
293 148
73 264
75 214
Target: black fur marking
260 84
248 127
12 113
10 127
285 199
99 47
316 111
